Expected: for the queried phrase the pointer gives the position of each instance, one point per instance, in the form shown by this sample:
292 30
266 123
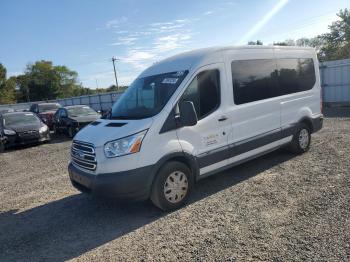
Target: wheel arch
307 121
182 157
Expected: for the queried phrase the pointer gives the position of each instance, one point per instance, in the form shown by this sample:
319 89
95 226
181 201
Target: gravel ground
278 207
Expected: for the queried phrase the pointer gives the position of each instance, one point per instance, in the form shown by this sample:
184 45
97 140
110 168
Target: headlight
124 146
43 129
9 132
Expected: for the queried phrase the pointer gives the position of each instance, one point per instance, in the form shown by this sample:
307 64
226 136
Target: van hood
104 130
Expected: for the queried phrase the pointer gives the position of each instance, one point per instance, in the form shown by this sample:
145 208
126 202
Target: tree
336 43
258 42
44 81
287 42
113 88
2 74
7 87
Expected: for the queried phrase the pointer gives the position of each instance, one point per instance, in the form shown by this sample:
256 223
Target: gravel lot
278 207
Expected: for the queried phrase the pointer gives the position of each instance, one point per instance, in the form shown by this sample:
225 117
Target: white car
195 114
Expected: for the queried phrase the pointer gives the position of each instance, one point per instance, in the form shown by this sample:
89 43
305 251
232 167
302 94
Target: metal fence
335 79
99 102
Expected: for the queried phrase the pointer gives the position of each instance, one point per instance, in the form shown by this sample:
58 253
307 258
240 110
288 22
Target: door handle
223 118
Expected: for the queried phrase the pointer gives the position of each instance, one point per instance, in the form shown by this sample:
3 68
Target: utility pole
115 72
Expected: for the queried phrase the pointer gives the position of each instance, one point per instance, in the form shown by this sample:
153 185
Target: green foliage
44 81
113 88
330 46
7 87
258 42
337 41
2 74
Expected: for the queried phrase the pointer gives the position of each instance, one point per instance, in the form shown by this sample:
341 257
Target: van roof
190 59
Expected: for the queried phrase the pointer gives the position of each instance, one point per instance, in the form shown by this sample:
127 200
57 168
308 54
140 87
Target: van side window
204 92
254 80
295 75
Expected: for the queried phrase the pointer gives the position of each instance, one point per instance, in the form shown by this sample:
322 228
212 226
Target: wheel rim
176 187
303 138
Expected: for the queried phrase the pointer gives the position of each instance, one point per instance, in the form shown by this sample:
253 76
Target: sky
84 35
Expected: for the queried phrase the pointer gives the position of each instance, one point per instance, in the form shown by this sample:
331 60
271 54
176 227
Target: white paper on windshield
180 73
171 81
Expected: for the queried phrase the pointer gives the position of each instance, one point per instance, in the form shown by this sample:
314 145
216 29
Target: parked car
45 111
71 119
195 114
20 128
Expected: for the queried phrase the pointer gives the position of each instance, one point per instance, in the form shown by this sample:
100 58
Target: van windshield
147 96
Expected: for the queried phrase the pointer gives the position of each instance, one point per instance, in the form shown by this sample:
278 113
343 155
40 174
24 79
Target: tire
301 139
71 132
2 147
48 138
172 174
55 130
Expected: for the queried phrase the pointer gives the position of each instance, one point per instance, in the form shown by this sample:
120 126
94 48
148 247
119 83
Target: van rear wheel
172 186
301 139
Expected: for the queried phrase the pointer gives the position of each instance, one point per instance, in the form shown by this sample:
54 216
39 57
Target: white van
195 114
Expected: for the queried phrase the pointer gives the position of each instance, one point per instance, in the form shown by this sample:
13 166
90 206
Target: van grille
83 155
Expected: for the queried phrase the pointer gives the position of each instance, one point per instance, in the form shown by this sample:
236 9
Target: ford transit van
195 114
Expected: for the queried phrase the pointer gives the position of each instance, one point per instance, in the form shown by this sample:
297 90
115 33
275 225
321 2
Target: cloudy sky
84 34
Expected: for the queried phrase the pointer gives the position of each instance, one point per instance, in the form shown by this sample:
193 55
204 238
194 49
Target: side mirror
188 116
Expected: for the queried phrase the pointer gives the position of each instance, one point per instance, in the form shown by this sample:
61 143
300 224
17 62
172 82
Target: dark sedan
71 119
20 128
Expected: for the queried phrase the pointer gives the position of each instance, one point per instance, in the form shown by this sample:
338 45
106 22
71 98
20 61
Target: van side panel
304 104
254 118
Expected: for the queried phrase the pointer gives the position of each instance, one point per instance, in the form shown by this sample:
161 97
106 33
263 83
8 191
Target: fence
335 79
99 102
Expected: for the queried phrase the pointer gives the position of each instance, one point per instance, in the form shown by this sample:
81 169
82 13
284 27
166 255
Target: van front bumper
132 184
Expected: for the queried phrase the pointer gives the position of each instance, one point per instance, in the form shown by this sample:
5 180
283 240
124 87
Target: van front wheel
172 186
301 139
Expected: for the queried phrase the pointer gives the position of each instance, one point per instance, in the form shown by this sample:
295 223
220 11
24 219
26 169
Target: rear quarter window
295 75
